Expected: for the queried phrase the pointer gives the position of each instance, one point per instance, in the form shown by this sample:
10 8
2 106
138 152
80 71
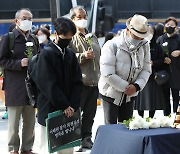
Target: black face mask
63 43
170 30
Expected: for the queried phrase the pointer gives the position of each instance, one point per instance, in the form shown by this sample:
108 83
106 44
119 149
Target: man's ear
15 20
56 36
55 32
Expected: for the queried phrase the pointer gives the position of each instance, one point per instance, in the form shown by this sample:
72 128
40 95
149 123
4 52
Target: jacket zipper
123 94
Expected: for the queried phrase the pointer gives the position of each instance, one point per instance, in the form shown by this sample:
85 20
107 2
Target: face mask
170 30
81 23
25 25
63 43
134 41
42 38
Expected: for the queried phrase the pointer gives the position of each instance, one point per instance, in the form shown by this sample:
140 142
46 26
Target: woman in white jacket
125 68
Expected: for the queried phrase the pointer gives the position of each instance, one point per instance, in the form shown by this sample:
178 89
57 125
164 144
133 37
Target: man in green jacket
87 50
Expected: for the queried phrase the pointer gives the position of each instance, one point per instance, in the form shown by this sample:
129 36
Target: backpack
11 45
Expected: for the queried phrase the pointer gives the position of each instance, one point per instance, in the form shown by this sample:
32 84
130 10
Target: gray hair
72 13
19 12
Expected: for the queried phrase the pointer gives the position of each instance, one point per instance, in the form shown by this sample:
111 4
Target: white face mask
134 41
42 38
81 23
25 25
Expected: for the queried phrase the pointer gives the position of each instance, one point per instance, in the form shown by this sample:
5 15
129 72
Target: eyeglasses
26 18
79 18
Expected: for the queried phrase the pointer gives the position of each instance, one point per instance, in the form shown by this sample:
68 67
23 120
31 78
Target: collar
61 50
21 33
81 34
16 32
166 36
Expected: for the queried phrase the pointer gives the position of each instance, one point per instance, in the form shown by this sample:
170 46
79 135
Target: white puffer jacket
121 63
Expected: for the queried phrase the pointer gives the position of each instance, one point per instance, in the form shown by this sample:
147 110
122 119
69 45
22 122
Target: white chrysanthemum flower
29 44
134 125
137 123
140 120
154 123
146 125
161 120
89 35
165 44
165 121
168 122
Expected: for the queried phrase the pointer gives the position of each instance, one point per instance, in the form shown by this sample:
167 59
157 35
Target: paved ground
99 120
3 131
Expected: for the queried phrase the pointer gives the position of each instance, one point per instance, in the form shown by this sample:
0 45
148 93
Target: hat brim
136 33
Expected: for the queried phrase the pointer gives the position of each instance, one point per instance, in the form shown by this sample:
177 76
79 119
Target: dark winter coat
152 97
58 76
15 74
174 67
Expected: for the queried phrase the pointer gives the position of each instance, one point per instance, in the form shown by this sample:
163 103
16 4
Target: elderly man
88 57
125 67
15 65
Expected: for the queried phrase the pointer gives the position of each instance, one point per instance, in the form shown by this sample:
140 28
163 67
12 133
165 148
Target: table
117 139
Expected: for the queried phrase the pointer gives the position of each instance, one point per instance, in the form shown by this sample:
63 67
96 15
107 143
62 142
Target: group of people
72 71
62 75
165 55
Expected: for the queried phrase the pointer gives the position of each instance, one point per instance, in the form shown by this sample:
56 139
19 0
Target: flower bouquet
29 50
89 39
145 123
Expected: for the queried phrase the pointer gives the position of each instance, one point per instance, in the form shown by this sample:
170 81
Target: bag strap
35 41
11 40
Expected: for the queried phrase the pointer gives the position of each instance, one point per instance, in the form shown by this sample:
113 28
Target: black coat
15 74
157 57
58 77
152 97
174 67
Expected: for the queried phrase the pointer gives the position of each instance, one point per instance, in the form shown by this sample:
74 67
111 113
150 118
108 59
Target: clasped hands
175 53
69 112
130 90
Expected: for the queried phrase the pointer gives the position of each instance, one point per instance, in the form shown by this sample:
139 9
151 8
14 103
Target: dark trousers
175 97
114 113
151 113
88 107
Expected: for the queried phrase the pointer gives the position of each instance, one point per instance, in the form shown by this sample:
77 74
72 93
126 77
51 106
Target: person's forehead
170 22
40 32
25 13
80 12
